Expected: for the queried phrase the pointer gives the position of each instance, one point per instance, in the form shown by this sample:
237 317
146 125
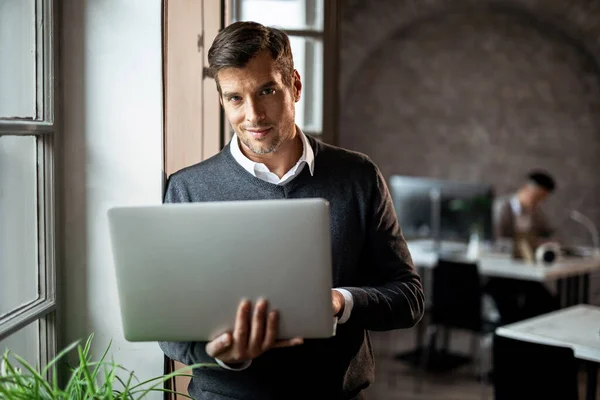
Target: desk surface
577 327
502 264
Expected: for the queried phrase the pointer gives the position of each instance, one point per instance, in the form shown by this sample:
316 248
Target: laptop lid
183 268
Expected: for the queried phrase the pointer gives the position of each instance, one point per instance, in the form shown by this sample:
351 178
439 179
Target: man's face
258 105
534 196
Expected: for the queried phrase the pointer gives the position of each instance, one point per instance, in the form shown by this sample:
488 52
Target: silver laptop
182 269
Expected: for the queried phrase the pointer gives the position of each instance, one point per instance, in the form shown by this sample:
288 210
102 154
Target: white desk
502 265
577 327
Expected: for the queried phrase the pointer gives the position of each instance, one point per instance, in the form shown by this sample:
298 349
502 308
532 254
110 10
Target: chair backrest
525 370
456 295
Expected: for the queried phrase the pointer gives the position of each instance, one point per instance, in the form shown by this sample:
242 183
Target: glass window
27 184
25 343
18 59
19 226
308 60
283 14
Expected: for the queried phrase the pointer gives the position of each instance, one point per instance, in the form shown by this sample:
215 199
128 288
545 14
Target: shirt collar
515 204
241 159
308 154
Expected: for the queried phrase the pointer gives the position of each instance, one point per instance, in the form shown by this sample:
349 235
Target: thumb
218 345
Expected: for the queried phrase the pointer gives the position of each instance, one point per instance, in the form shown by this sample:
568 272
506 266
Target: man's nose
254 111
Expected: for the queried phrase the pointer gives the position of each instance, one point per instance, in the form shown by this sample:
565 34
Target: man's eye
268 91
234 98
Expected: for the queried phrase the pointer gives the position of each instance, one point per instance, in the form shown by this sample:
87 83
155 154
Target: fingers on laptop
241 330
247 340
261 329
271 334
253 334
236 343
219 345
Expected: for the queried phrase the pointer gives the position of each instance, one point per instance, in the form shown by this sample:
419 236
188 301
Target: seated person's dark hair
543 180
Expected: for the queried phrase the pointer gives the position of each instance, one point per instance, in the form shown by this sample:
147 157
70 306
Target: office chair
525 370
457 303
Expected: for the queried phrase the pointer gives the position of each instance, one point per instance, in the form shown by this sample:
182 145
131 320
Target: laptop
182 269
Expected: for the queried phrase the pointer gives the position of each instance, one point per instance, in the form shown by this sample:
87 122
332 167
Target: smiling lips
258 133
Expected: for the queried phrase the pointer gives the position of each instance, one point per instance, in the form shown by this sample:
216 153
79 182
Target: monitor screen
461 208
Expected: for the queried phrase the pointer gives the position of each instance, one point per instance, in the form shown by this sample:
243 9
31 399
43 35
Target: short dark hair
542 179
238 43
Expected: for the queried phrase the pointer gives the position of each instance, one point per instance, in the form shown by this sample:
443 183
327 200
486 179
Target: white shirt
261 171
522 218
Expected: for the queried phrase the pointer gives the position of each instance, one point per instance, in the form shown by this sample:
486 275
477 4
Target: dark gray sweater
370 259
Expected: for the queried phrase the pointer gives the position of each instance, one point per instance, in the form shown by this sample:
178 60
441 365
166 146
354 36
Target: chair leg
427 350
446 343
474 351
485 344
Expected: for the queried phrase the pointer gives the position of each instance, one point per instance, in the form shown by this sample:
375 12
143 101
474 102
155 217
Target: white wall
111 74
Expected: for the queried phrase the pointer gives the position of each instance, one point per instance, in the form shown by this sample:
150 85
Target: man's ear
297 86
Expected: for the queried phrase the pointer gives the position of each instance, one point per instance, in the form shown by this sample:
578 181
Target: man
521 212
376 286
520 216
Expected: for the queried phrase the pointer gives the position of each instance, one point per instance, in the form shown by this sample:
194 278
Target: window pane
308 60
285 14
17 55
24 343
18 222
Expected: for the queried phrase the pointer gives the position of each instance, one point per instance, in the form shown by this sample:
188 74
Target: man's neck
280 161
524 203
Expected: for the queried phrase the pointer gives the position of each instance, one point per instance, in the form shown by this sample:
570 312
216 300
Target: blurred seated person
520 215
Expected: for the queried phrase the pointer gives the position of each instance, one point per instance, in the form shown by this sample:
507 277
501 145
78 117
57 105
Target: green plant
97 380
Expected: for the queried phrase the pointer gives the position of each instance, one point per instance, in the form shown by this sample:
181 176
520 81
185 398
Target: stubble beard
269 148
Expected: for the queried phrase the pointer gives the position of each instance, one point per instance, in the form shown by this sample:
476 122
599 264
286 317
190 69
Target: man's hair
542 179
241 41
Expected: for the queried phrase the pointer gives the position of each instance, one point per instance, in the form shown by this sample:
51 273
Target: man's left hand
338 302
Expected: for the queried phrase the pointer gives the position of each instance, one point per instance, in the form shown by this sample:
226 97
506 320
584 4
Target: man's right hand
253 334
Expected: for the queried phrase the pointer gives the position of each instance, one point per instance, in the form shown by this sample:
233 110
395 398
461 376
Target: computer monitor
413 203
448 210
463 207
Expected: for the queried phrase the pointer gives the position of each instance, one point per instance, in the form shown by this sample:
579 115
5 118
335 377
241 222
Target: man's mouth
258 133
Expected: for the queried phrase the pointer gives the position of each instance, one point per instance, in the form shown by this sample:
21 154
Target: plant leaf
83 366
35 374
58 357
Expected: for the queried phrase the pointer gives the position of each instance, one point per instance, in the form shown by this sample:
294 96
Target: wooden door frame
193 119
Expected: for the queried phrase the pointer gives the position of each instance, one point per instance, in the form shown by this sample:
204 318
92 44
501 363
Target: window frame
44 128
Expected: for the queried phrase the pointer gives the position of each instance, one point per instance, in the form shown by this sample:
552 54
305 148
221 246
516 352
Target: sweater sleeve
188 353
394 296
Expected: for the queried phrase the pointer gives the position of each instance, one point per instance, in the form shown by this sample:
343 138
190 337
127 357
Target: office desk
492 264
571 275
577 327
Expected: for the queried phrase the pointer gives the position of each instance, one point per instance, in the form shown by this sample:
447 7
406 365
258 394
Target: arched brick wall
482 91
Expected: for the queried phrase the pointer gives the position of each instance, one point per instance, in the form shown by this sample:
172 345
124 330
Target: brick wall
481 91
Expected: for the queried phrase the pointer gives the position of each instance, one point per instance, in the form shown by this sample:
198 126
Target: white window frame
44 128
329 37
